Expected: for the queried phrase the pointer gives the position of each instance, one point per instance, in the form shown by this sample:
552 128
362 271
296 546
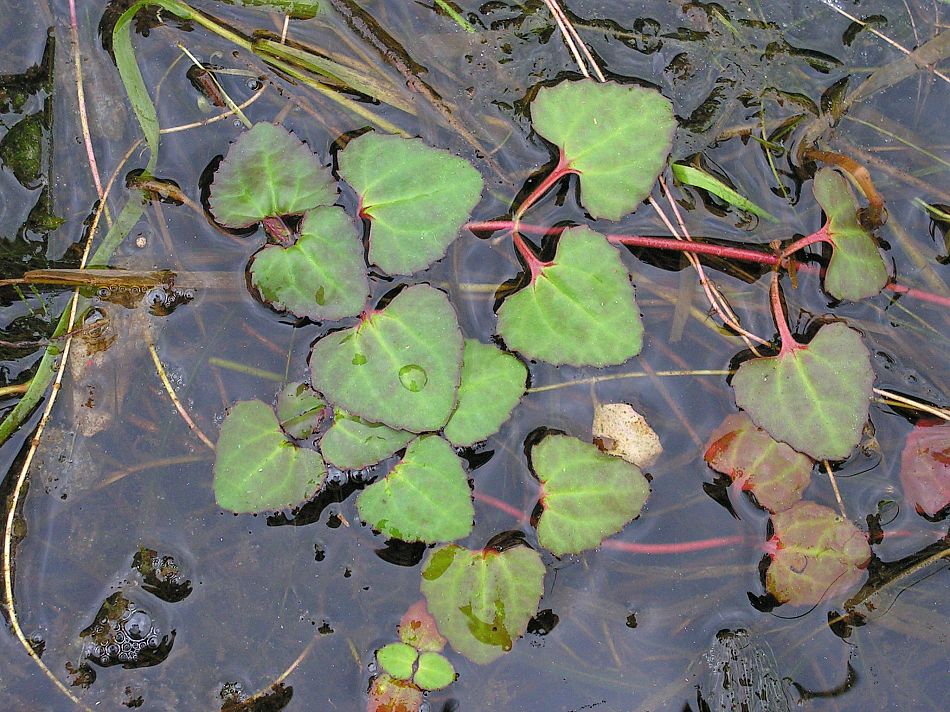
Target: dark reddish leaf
925 469
772 471
418 629
387 694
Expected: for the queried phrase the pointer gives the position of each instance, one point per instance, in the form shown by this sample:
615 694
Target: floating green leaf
268 172
321 276
770 470
578 310
700 179
416 198
814 397
352 443
400 366
482 600
257 468
818 556
433 672
297 9
398 660
925 469
300 409
856 269
426 497
616 137
586 495
492 384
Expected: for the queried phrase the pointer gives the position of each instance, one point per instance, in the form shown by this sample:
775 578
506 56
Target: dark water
233 602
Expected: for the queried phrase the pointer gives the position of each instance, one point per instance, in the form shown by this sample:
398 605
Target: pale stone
625 433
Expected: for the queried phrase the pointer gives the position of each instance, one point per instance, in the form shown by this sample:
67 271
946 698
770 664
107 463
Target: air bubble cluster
125 634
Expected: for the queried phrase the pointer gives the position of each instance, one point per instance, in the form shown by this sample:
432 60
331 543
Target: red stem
531 259
789 344
560 170
702 248
677 548
501 505
821 236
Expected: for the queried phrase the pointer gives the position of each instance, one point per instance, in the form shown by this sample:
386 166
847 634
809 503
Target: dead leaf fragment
625 433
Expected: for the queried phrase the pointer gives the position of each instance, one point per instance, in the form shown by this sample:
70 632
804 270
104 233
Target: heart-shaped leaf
433 672
321 276
400 366
814 397
417 628
257 468
578 309
856 269
586 495
397 660
770 470
300 410
387 694
268 172
492 384
352 443
615 137
426 497
925 469
818 555
415 197
482 600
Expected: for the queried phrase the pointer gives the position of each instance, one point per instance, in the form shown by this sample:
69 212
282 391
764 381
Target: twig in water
170 389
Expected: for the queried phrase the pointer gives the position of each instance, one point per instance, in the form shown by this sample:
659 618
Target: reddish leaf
772 471
817 555
387 694
418 629
925 469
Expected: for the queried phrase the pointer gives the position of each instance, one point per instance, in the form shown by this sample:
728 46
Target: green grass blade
698 179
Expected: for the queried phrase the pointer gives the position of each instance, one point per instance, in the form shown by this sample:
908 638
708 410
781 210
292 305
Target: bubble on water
413 377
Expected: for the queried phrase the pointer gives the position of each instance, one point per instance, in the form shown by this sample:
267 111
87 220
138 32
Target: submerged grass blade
699 179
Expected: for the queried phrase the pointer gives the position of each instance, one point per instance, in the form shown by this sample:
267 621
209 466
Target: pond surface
118 540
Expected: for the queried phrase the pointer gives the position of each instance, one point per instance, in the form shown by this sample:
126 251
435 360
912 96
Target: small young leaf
416 198
397 659
257 468
417 628
426 497
925 469
819 555
300 409
268 172
387 694
700 179
579 309
814 397
586 495
492 384
616 137
772 471
399 366
322 276
434 672
482 600
856 269
352 443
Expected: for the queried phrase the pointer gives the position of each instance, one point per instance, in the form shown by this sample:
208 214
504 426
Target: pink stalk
560 170
821 236
501 505
789 344
81 99
534 264
701 248
677 548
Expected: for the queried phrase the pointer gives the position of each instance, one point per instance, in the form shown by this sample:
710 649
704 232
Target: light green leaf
426 497
814 397
856 270
300 410
586 495
434 672
615 137
352 443
256 468
297 9
482 600
700 179
397 659
492 384
268 172
399 366
580 308
322 276
415 197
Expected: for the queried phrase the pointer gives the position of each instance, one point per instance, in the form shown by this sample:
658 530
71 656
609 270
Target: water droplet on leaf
412 377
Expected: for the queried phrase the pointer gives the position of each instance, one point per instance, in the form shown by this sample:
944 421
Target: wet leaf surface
352 443
400 366
415 197
397 660
586 495
434 672
772 471
616 137
925 469
300 410
417 628
580 310
814 397
257 468
387 694
482 600
426 497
